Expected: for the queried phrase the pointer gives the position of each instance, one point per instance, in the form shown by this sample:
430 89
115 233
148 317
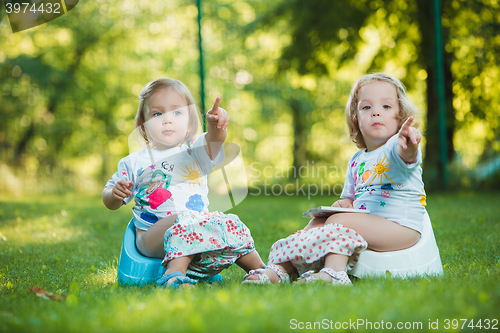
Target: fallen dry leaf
40 292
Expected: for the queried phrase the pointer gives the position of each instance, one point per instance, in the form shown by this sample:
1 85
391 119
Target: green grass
71 245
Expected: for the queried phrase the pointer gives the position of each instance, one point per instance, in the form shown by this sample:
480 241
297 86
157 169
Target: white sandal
264 278
338 278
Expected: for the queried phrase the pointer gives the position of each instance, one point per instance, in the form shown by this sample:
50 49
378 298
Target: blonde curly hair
406 108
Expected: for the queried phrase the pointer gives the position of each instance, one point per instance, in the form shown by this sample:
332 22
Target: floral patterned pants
217 240
306 250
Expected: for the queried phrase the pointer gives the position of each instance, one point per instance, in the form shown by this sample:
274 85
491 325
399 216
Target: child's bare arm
113 196
408 141
343 203
217 119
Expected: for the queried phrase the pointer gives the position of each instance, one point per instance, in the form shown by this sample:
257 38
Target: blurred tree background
69 88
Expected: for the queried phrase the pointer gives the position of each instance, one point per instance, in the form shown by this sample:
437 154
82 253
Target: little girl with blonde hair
384 177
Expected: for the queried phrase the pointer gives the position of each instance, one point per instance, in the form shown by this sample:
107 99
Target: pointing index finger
407 123
215 107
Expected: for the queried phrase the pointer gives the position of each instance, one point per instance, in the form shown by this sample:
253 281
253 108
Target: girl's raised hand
408 140
217 116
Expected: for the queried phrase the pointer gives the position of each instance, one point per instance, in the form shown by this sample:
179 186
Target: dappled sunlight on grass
44 229
104 274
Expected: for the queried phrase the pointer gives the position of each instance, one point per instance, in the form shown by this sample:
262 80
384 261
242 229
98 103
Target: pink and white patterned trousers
306 250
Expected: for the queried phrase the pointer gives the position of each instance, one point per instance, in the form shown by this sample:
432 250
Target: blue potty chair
422 259
136 269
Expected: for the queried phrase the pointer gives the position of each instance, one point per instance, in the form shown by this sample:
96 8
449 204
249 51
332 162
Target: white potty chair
422 259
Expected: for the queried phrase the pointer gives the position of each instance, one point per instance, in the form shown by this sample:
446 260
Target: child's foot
326 274
261 275
176 280
269 274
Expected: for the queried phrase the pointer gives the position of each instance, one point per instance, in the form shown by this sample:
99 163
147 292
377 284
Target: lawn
70 245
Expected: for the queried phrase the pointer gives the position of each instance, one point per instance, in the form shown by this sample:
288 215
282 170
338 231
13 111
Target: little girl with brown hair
168 182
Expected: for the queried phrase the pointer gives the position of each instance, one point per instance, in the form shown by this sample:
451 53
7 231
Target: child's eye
157 114
176 113
366 107
387 106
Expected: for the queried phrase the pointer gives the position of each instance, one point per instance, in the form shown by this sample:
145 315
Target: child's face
168 119
377 110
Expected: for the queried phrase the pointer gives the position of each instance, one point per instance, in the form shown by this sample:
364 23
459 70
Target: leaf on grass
72 300
40 292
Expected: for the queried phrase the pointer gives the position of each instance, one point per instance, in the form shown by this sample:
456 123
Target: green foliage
69 87
70 245
318 26
475 44
71 92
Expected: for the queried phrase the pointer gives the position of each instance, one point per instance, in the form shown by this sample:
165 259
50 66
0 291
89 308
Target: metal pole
202 75
441 93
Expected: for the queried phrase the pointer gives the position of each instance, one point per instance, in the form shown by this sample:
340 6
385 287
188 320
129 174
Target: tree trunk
434 172
299 134
19 150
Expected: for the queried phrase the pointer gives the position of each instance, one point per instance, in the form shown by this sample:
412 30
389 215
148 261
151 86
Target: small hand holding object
121 189
217 116
343 203
408 140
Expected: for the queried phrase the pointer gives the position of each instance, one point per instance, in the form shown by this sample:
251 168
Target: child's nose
167 118
375 112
